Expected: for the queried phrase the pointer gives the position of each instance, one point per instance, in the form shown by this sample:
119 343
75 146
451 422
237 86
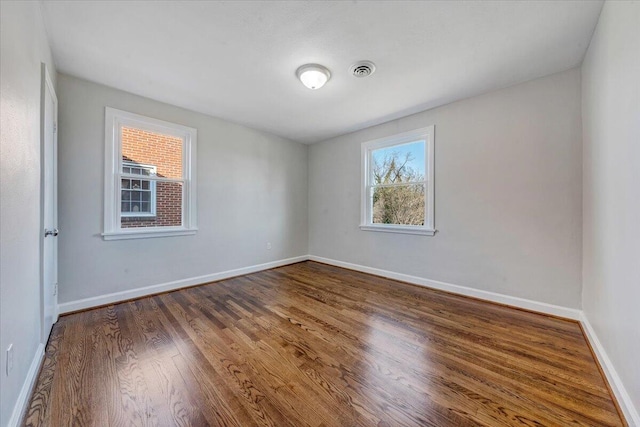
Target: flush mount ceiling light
313 76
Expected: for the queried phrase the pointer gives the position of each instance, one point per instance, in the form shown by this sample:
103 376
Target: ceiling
237 60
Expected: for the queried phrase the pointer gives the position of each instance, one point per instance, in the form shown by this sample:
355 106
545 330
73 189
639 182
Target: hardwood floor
315 345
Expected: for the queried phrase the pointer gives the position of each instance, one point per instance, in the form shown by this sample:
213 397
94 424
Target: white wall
252 189
611 228
23 47
508 195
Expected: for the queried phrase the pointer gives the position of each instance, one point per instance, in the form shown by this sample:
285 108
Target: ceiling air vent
363 69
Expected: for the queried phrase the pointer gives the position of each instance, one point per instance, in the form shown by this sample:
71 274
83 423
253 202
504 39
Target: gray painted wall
23 48
508 195
611 231
252 189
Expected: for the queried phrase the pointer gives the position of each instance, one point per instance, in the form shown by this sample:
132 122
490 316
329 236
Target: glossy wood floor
314 345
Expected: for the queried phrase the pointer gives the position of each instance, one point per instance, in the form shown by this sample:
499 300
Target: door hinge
55 289
55 127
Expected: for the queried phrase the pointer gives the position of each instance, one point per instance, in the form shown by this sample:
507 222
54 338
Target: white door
50 206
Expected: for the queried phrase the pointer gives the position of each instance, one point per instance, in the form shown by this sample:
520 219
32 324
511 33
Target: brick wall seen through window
164 152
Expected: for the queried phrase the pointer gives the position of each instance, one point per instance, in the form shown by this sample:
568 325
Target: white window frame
425 134
114 121
152 188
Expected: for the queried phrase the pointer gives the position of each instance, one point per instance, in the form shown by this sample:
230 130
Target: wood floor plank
39 410
315 345
224 360
265 363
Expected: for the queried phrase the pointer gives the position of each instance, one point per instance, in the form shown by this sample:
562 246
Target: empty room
320 213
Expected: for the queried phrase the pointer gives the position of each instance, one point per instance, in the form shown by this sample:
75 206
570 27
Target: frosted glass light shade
313 76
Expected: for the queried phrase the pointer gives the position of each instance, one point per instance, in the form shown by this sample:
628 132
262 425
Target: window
398 183
138 195
149 177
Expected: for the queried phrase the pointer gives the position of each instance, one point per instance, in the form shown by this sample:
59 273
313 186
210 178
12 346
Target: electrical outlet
269 245
9 359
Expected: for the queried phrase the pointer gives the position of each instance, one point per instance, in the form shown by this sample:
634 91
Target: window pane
126 183
400 163
145 170
141 148
125 207
168 207
145 185
402 205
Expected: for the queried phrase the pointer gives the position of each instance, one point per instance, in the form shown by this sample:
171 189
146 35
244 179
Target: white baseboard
27 388
115 297
541 307
624 400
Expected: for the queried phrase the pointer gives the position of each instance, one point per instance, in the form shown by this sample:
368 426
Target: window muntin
149 177
398 186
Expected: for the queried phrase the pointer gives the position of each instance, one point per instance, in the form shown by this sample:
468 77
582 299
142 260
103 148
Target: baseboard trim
540 307
523 303
87 303
27 387
625 403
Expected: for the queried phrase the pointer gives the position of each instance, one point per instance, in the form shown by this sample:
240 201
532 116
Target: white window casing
114 121
425 134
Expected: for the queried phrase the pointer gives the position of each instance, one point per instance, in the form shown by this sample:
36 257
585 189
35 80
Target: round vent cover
363 69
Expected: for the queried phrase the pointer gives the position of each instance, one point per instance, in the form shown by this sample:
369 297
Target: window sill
147 234
398 229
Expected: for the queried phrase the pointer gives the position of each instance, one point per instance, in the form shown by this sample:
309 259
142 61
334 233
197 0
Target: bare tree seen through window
398 187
